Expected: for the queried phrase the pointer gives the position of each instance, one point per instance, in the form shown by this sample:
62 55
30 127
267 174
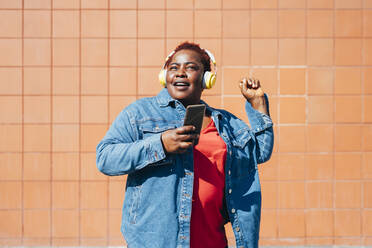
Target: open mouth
181 85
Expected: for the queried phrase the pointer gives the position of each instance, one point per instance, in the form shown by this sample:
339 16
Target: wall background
67 67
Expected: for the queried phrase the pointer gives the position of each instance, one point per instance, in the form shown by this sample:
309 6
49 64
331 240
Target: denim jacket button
237 229
230 190
233 210
229 172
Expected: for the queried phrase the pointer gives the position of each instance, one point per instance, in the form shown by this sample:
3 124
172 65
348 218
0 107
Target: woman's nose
181 73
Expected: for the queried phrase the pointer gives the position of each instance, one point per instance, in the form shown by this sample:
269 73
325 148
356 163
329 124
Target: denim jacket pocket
242 144
151 129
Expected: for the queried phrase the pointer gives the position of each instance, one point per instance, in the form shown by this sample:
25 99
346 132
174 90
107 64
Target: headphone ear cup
162 77
209 79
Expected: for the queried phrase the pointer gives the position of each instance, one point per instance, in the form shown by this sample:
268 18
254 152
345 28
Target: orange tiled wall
67 67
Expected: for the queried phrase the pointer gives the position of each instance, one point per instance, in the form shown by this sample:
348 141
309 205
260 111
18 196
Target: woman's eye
192 68
173 68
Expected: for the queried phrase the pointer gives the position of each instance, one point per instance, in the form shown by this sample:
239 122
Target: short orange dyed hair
204 57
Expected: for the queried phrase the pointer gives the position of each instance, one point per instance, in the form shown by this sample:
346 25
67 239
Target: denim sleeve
262 128
120 152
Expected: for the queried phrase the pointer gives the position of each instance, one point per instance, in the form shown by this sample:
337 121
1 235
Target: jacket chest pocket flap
147 130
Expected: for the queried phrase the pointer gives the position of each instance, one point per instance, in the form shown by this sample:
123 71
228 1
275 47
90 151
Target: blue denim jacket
158 198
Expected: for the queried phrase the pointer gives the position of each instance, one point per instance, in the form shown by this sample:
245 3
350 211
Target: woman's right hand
179 140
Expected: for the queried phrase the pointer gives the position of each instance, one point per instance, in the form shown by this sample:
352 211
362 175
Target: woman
179 194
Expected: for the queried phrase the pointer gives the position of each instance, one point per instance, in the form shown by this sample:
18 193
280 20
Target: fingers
185 129
250 83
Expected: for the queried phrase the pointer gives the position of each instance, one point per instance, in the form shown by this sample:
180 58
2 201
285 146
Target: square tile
236 4
348 23
66 23
91 191
202 20
94 81
36 81
264 23
89 169
11 4
36 166
151 4
291 194
292 51
11 225
291 167
289 4
123 81
10 166
36 223
348 109
292 81
11 135
151 23
236 52
320 81
345 4
204 4
94 52
320 109
319 223
292 23
320 52
123 52
236 24
66 81
65 166
65 190
269 4
348 166
148 84
36 195
11 52
319 195
320 138
292 110
94 23
10 109
348 81
319 166
66 109
320 4
11 23
91 135
14 78
292 139
66 52
320 23
65 137
94 109
348 52
94 4
37 4
11 193
147 55
117 18
347 223
37 52
66 4
177 18
93 223
348 138
65 223
36 23
291 223
36 109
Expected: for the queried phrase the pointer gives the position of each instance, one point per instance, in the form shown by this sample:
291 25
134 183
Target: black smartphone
194 116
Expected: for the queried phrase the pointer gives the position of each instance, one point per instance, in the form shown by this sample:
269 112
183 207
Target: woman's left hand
252 91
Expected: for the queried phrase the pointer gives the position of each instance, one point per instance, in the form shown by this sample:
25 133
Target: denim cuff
258 121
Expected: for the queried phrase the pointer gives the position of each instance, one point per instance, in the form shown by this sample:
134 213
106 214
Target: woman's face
184 77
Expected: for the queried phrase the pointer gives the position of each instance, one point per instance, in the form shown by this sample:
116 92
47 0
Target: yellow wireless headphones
209 78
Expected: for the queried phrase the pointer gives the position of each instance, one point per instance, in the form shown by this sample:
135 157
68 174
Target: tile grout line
23 132
108 114
80 129
51 127
334 127
278 120
361 209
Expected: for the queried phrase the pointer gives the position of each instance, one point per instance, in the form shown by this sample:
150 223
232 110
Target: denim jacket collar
164 100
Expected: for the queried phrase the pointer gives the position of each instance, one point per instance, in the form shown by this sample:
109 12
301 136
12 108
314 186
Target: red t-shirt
207 222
